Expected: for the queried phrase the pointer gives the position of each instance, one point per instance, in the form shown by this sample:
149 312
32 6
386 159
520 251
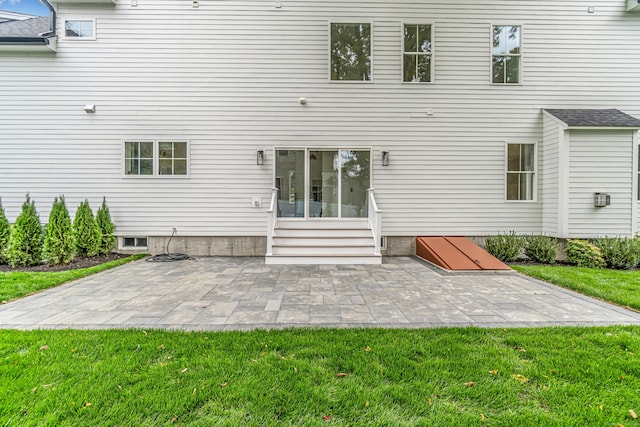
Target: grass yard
621 287
302 377
18 284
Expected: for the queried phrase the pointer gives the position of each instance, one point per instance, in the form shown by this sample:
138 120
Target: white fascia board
82 1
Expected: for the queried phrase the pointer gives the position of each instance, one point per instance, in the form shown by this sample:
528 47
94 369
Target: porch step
323 242
320 260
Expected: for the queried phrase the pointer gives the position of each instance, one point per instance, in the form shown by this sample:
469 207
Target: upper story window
521 171
506 54
155 158
351 52
417 53
80 29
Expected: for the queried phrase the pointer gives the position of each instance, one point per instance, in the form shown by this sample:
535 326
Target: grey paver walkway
244 293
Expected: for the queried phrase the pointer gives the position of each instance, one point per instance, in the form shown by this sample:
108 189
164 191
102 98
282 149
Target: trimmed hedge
59 239
25 243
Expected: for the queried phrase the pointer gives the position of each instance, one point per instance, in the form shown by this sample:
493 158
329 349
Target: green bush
59 240
5 233
25 243
584 254
103 220
540 249
505 247
87 233
619 253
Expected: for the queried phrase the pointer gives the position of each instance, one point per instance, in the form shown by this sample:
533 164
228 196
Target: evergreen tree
103 219
5 232
25 243
59 239
86 231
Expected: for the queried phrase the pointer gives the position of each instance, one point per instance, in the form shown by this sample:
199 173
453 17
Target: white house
464 118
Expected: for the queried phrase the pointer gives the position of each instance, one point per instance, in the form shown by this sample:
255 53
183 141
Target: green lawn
17 284
345 377
432 377
618 286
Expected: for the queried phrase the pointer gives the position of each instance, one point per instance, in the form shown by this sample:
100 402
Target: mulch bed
76 263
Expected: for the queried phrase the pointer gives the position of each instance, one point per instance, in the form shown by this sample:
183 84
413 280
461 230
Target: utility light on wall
90 108
260 158
385 158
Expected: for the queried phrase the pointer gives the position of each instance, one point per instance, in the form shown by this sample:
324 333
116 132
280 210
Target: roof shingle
595 118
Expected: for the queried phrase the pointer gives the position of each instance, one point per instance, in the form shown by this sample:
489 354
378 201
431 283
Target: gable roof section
594 118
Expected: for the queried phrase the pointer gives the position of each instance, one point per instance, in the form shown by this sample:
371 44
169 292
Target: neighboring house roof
32 27
6 15
594 118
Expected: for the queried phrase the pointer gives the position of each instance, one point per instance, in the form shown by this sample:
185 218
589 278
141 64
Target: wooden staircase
324 241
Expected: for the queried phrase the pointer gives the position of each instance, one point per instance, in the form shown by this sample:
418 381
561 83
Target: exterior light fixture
385 158
303 101
260 157
90 108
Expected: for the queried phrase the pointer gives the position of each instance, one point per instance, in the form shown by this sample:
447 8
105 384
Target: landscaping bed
78 262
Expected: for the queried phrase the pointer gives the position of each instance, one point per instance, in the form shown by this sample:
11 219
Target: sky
31 7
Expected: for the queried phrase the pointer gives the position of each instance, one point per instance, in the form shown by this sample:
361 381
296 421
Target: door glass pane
323 184
290 183
355 172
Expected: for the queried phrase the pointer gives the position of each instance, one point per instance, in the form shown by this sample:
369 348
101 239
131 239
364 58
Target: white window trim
535 170
521 55
64 29
351 21
156 158
433 51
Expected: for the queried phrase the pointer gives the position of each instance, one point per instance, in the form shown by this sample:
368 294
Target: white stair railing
272 220
375 220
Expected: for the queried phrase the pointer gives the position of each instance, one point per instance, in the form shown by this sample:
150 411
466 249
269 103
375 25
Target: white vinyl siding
550 165
228 77
600 162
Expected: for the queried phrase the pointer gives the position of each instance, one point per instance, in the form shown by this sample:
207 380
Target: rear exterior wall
227 77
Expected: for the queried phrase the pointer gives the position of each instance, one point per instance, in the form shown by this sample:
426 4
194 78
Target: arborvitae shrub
5 232
541 249
619 253
25 243
86 231
505 247
584 254
59 240
103 220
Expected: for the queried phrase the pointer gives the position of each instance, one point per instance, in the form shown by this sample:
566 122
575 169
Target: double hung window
417 53
521 171
506 54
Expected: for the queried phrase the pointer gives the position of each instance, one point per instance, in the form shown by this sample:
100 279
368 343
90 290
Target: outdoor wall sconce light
90 108
260 158
385 158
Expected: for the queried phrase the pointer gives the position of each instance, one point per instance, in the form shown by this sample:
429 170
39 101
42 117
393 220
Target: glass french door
318 183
